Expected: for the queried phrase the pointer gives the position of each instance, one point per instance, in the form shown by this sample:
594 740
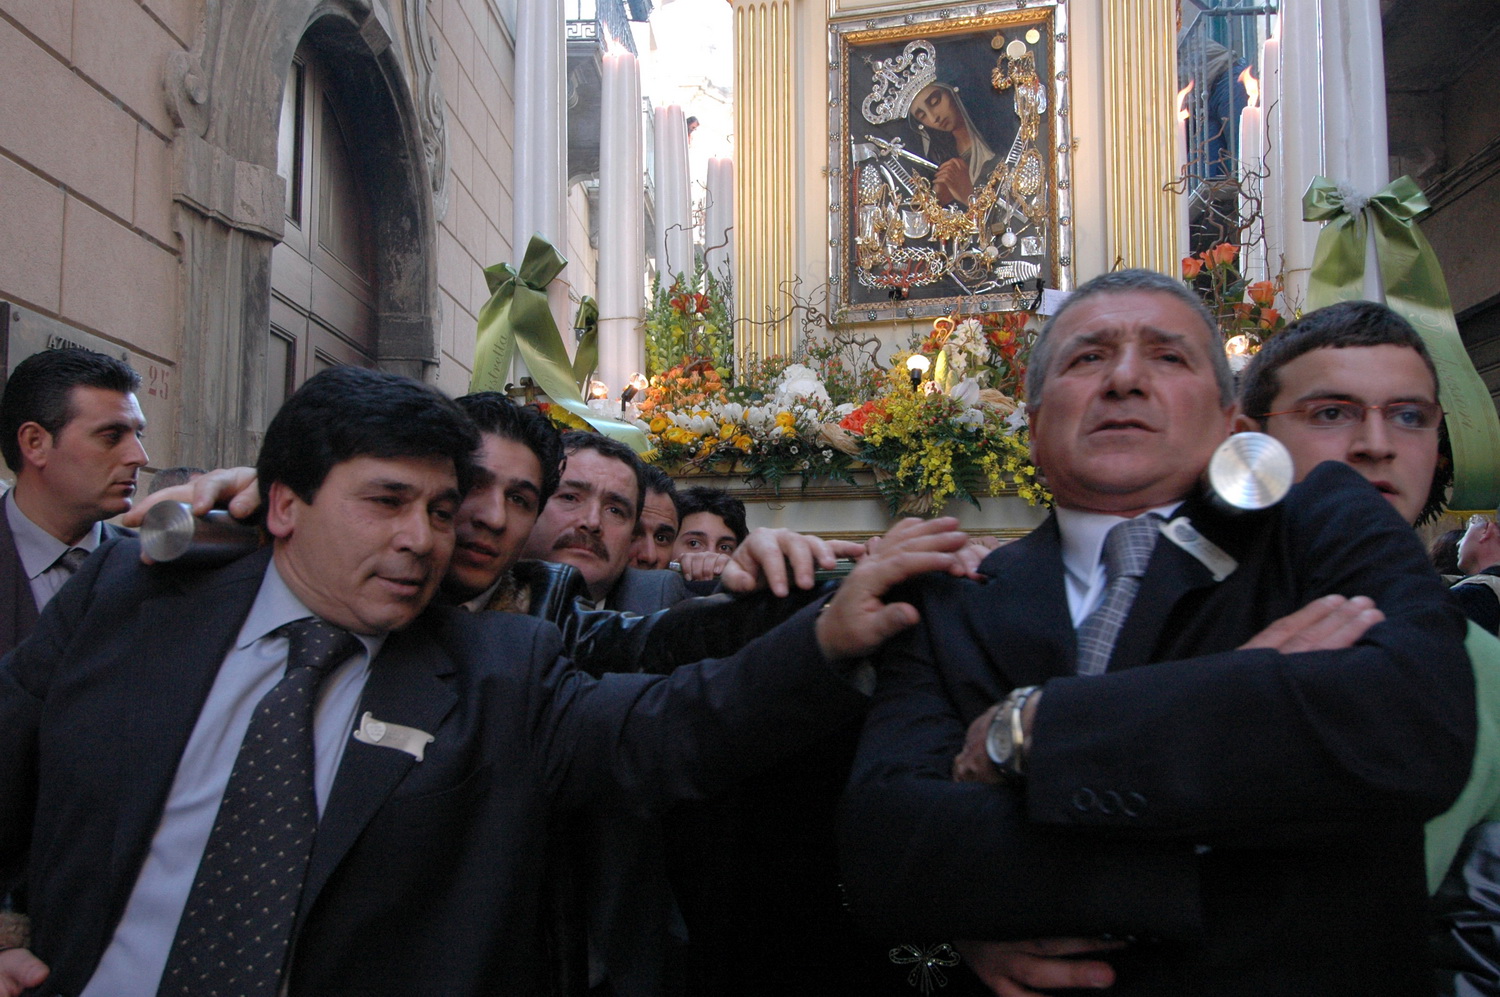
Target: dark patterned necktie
237 924
1127 550
71 559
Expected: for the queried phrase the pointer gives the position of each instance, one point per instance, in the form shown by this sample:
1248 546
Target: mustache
582 541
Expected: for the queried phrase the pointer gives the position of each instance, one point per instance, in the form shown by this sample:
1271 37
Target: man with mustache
70 430
434 749
590 522
1192 733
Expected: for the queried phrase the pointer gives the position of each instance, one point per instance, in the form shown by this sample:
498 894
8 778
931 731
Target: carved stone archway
225 97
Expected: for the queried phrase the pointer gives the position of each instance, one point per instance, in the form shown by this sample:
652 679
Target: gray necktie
1127 550
237 923
71 560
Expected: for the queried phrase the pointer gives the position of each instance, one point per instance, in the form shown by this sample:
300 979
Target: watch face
998 743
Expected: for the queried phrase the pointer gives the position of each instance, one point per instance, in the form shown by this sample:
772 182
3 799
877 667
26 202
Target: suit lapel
1170 577
1028 575
181 640
408 685
15 586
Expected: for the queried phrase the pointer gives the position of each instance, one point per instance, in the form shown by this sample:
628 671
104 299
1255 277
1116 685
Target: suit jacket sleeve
923 854
1244 742
634 742
25 674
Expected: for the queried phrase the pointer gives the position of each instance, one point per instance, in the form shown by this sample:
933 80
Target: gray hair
1119 282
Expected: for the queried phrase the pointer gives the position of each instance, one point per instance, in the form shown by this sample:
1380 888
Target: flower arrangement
694 419
683 321
1243 309
930 446
990 348
830 408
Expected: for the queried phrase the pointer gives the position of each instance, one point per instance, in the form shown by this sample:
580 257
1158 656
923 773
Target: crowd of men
498 710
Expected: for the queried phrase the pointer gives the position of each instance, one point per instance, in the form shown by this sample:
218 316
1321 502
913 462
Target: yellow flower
726 430
744 442
786 420
659 424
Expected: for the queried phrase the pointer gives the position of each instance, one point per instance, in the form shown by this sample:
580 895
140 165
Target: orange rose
1269 317
1191 267
1242 309
1223 254
1262 292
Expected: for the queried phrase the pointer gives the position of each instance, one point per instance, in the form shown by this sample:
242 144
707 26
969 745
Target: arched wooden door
323 273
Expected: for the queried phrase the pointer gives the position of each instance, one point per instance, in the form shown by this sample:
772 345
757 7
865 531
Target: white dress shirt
137 954
1083 536
39 551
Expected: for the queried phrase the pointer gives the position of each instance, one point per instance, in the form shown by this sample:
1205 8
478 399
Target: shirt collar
276 605
1083 536
38 549
481 602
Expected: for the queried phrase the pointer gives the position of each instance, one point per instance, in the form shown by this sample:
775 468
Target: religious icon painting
950 188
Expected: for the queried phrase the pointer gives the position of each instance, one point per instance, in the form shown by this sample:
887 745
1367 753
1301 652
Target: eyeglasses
1480 520
1331 413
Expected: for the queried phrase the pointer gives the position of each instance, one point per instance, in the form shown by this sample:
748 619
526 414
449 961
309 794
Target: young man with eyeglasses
1353 384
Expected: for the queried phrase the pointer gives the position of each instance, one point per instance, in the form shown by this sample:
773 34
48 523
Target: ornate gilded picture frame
948 160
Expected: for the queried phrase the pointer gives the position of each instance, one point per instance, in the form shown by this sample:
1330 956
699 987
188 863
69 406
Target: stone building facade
150 186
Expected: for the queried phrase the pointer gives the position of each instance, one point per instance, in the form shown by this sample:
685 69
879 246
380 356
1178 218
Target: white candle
1271 200
1252 250
1185 199
621 348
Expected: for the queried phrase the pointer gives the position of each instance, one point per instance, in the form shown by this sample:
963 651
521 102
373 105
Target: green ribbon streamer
586 356
1414 289
516 319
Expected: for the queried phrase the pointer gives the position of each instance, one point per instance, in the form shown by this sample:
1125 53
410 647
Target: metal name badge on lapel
1213 557
1247 473
384 734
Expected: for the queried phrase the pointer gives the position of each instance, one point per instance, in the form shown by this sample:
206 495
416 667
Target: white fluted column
718 223
1301 136
539 192
1334 116
674 220
622 222
1355 139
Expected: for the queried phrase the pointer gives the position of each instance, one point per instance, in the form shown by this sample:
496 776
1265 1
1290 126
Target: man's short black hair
701 498
493 412
661 483
580 439
39 391
1336 327
347 412
1348 323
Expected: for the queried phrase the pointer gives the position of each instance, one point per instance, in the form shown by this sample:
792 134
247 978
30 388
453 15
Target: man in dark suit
70 430
126 721
1232 781
591 521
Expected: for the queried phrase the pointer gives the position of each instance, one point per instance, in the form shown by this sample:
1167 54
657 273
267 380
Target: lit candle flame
1182 112
1252 88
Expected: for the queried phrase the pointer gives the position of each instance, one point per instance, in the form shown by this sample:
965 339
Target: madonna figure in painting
952 140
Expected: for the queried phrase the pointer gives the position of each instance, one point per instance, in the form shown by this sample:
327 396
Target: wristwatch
1006 741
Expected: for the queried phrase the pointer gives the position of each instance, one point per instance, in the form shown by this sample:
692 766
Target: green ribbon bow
1414 289
517 318
586 356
